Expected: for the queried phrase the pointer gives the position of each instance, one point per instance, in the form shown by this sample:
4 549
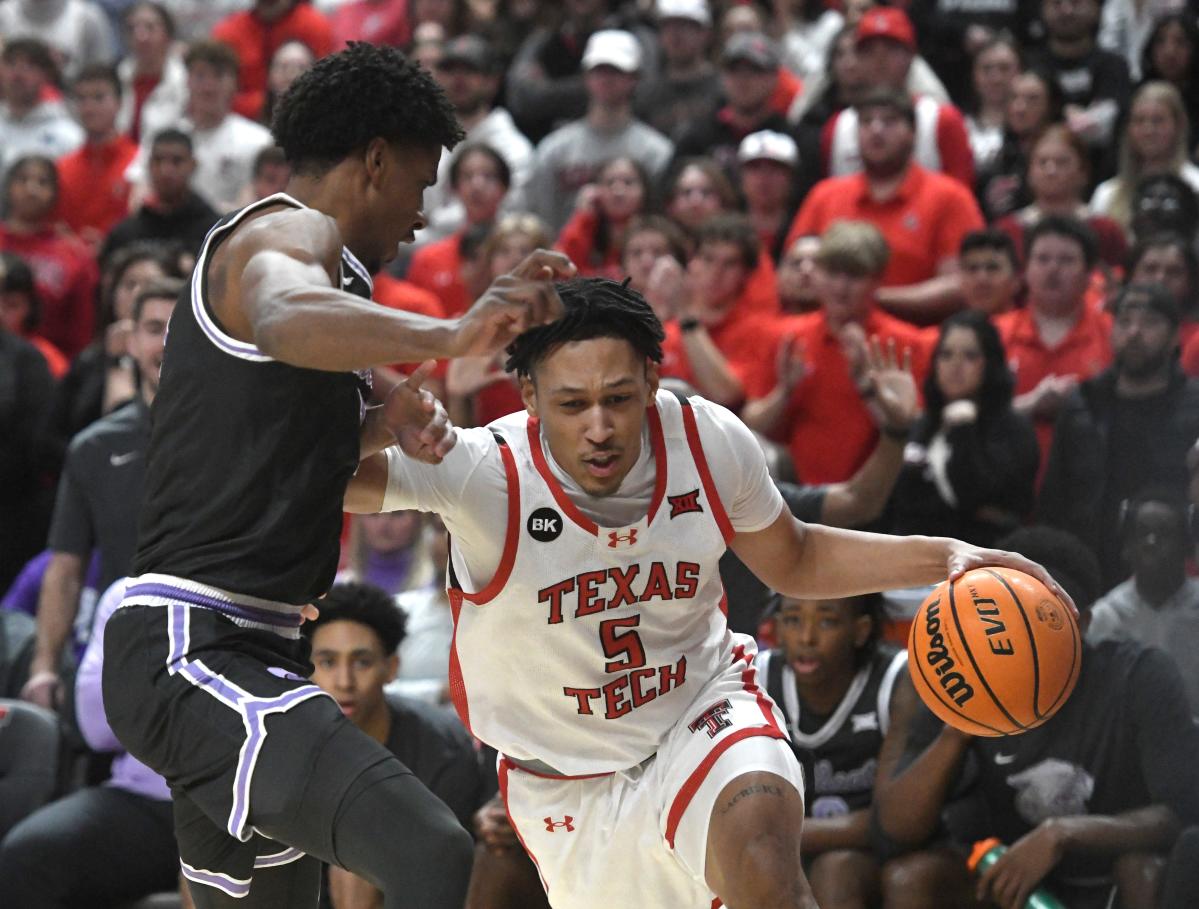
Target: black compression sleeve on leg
395 833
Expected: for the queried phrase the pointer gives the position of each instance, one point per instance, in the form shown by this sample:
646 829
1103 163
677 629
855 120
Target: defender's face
591 397
399 177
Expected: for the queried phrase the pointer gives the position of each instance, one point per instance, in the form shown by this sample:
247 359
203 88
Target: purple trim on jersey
223 882
286 857
226 607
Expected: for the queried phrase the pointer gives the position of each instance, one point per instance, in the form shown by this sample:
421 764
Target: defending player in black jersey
837 685
260 422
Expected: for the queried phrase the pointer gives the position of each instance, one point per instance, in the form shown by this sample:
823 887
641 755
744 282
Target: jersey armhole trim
887 687
511 533
221 339
705 475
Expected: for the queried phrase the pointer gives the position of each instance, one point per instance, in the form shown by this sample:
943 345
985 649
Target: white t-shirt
469 491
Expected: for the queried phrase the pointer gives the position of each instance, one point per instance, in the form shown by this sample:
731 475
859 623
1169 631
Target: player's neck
823 697
327 194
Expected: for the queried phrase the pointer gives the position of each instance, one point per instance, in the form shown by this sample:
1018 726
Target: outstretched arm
274 286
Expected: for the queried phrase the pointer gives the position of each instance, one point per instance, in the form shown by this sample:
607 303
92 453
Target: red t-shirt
739 338
437 268
374 23
1190 348
827 427
577 240
923 223
92 190
1085 351
65 274
256 41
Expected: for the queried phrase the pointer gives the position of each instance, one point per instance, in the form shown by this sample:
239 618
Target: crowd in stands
942 256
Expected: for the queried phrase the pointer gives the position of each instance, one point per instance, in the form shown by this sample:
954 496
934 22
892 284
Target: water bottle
987 852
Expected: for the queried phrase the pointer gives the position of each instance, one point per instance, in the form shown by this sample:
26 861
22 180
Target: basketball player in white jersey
642 762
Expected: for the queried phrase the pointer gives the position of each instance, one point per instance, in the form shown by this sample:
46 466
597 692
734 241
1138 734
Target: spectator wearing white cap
768 162
544 84
688 87
886 47
569 157
749 75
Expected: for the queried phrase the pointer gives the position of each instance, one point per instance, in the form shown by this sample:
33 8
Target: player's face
819 638
399 177
349 663
149 339
591 397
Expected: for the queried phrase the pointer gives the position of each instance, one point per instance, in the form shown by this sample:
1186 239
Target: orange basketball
996 653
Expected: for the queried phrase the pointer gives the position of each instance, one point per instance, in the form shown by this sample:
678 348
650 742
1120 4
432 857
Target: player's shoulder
710 417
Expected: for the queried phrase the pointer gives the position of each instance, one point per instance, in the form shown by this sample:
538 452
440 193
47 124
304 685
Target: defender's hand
515 302
418 420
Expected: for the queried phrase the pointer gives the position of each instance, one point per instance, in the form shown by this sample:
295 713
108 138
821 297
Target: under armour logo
687 503
616 538
713 719
567 822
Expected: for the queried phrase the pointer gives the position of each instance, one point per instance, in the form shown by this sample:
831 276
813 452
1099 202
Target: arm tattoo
755 789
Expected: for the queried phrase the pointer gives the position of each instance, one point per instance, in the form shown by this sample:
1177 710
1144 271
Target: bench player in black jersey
260 422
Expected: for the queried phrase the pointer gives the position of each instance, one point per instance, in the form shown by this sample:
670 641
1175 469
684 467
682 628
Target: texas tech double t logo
713 719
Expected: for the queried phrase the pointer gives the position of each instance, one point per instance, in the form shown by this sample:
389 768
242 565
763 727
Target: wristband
688 323
392 493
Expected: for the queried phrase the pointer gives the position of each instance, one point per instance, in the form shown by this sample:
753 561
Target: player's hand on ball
964 557
1009 882
522 299
418 420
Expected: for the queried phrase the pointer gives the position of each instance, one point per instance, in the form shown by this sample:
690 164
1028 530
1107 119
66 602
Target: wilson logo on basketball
616 538
713 719
567 824
687 503
956 687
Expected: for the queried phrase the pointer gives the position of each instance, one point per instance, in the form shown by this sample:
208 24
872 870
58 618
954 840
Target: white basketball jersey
590 643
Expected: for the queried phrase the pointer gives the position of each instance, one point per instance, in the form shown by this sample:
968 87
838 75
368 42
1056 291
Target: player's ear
392 666
376 159
528 394
653 375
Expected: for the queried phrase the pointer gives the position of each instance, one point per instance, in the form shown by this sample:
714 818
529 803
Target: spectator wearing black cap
749 74
470 75
688 87
1127 429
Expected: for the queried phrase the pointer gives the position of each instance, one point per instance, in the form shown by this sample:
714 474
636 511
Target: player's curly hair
366 604
593 308
358 94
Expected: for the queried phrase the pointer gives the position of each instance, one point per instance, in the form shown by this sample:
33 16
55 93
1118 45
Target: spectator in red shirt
62 264
257 33
922 215
372 21
651 251
990 268
604 208
1059 172
93 194
21 310
768 163
805 394
715 342
480 177
1056 341
886 47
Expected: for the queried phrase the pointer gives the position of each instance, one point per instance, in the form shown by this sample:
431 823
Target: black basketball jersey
249 457
840 755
